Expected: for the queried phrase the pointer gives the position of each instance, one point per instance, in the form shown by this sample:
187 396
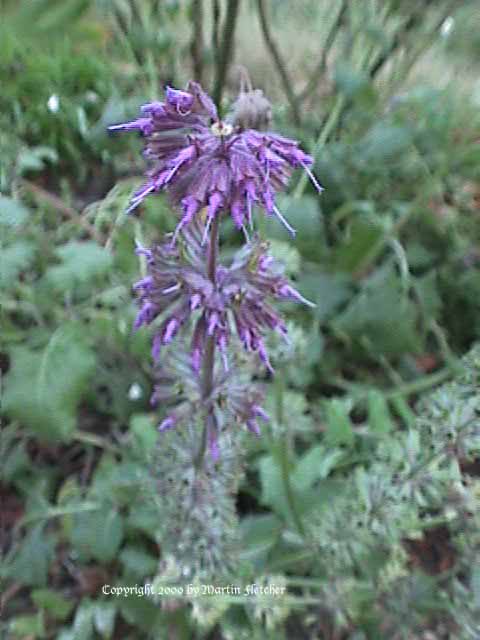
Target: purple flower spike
202 162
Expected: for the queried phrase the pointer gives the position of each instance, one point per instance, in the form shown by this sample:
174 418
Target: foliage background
362 496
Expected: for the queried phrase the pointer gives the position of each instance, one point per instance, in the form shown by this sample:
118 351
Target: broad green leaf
43 389
364 240
379 417
27 626
30 564
141 612
381 317
327 290
259 534
12 212
475 582
349 81
383 143
273 493
35 158
339 427
15 462
13 260
314 465
98 534
104 618
82 262
143 428
83 623
54 603
145 518
305 217
428 295
138 562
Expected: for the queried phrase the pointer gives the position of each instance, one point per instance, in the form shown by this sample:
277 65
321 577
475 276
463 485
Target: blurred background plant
362 495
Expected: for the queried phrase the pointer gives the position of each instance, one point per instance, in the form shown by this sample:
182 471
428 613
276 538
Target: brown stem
279 62
196 45
225 54
56 203
215 28
209 357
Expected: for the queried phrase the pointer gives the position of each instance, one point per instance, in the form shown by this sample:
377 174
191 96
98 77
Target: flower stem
209 357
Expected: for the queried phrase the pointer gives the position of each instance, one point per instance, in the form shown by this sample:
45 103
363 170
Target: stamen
206 230
249 212
315 182
171 289
289 228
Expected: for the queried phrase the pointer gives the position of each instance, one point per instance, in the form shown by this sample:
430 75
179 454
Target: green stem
422 384
283 456
209 357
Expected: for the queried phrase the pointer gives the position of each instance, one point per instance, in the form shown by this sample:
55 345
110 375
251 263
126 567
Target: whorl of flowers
232 401
202 162
177 287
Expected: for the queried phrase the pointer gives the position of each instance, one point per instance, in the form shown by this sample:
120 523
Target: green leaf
379 417
363 241
143 517
12 212
381 317
273 493
383 143
54 603
314 465
83 623
43 389
15 462
35 158
142 613
31 563
475 582
98 534
339 427
327 290
349 81
259 534
28 626
82 262
104 618
428 295
138 562
143 428
13 260
305 217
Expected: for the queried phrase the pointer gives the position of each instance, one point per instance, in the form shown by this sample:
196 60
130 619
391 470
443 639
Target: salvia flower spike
209 167
202 162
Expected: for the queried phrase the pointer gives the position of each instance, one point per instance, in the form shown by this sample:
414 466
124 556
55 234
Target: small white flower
53 103
135 392
447 26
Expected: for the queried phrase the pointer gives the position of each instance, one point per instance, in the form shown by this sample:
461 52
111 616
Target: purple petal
181 101
168 423
253 427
